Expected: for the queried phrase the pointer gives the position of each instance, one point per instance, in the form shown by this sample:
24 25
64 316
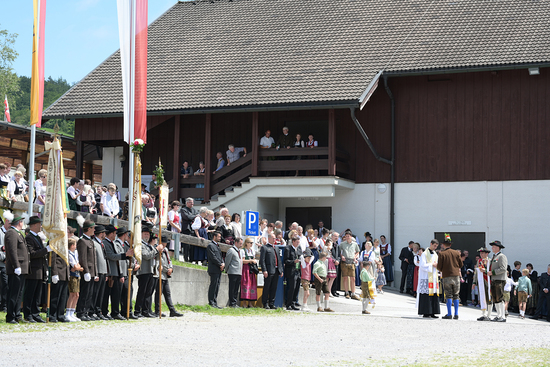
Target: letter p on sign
252 223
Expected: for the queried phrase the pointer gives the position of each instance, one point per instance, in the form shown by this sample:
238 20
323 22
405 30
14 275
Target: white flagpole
132 94
31 167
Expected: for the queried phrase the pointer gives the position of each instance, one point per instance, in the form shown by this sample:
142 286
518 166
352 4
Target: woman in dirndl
330 263
313 246
200 225
17 188
249 282
228 234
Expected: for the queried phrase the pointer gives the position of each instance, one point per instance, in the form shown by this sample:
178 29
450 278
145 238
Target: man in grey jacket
117 270
167 269
497 271
234 267
145 273
101 278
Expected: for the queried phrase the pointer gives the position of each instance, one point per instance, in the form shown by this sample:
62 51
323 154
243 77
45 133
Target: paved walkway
393 335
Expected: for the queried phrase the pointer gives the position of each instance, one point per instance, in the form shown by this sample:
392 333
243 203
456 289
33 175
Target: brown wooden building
449 98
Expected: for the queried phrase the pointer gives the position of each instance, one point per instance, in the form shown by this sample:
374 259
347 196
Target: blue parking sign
252 223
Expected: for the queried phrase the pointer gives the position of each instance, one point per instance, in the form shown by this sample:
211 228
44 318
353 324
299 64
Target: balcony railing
272 163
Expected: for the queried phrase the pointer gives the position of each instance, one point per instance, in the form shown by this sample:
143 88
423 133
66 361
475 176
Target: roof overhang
226 109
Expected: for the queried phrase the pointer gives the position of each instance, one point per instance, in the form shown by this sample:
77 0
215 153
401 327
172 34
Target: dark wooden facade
489 125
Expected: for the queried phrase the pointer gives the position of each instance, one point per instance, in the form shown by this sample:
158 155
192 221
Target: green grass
516 357
227 311
188 265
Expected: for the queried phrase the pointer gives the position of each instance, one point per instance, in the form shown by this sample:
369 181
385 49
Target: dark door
309 215
470 241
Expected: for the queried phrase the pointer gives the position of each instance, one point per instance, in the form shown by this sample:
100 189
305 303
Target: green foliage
53 89
8 79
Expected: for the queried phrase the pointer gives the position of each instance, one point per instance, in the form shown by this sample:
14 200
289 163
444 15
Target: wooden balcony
272 163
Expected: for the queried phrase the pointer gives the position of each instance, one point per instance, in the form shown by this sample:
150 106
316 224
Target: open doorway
469 241
309 215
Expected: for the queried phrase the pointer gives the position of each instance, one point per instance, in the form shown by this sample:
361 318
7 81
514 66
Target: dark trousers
270 289
214 288
58 301
166 293
336 283
3 288
15 293
32 298
84 304
186 252
114 292
404 267
97 295
145 284
464 291
124 295
544 299
292 277
234 286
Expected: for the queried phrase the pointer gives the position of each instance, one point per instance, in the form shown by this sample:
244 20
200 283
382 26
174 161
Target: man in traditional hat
101 278
87 258
497 270
449 264
37 271
117 269
8 217
167 269
483 282
59 289
17 268
123 237
145 273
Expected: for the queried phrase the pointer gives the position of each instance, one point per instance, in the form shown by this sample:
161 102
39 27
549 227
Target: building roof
224 54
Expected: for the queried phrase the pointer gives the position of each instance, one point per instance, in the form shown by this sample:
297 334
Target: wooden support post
208 156
255 144
331 143
176 161
89 171
79 159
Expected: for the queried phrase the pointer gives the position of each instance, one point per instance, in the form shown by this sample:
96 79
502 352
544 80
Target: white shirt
110 205
303 243
266 142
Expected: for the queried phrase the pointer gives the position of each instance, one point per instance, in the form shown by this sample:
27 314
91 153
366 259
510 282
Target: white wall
112 171
514 212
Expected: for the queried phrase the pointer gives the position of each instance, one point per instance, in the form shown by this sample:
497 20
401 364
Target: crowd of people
284 141
314 258
93 284
487 283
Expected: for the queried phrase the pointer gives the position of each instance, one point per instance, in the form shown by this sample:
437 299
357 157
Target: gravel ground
392 335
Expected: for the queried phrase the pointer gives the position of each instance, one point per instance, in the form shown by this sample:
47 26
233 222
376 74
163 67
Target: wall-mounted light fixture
534 71
381 188
122 159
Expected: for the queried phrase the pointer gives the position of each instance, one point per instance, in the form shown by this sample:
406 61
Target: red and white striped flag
132 23
6 110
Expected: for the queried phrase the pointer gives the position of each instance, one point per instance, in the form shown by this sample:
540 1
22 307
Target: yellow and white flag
135 223
55 209
164 191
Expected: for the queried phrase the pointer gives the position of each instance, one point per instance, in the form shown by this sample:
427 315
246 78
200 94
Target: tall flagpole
31 168
132 93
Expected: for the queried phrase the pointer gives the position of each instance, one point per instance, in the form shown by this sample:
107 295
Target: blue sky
80 34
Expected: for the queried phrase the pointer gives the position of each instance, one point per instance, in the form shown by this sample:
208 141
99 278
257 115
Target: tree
9 82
